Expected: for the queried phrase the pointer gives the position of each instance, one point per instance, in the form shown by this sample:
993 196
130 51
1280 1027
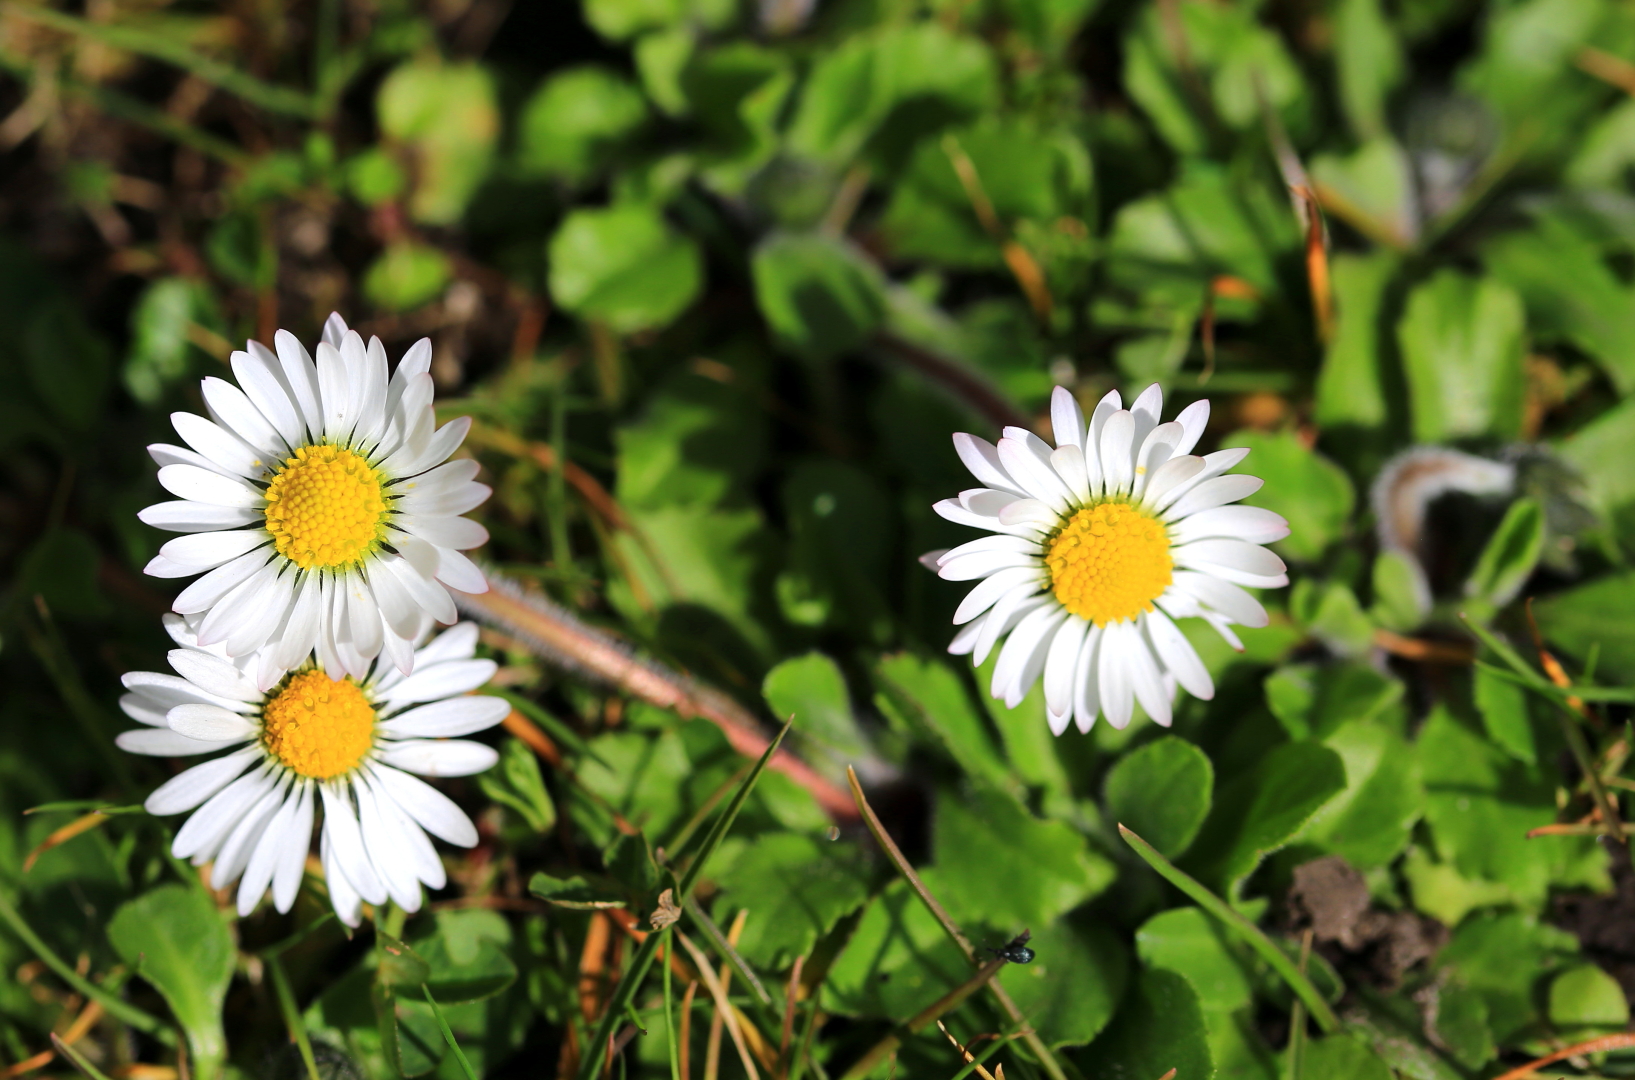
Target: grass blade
448 1034
596 1052
292 1016
1252 935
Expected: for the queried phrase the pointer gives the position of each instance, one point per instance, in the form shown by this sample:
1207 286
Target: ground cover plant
716 283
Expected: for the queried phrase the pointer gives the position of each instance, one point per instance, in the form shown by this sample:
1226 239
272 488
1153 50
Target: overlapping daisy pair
1099 544
321 509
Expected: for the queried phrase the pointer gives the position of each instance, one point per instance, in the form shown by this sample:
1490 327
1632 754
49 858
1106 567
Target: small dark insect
1016 950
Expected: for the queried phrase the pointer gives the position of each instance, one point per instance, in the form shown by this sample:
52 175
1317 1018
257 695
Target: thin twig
1623 1040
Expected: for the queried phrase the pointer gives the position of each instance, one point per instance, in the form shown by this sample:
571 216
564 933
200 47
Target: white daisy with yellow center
1102 542
348 743
322 510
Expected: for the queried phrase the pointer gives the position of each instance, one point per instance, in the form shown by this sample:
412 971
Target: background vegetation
717 281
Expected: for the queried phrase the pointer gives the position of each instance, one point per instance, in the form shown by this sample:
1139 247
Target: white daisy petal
1212 493
158 742
1118 453
1250 523
1193 420
210 723
1236 555
242 841
430 808
262 378
204 593
202 834
342 832
221 447
1214 465
445 719
187 516
985 595
440 757
459 573
213 675
187 790
455 643
206 551
1156 449
1146 680
273 849
434 681
292 859
1145 412
1177 470
1060 667
1087 691
233 411
335 329
1068 461
301 376
1114 680
1011 609
982 458
1224 597
201 485
457 533
1178 656
1027 458
343 895
1066 418
1031 641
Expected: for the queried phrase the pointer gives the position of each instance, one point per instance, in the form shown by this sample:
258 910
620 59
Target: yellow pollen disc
318 727
325 508
1109 562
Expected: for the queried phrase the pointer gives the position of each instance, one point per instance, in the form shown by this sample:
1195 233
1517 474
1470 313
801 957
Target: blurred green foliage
717 279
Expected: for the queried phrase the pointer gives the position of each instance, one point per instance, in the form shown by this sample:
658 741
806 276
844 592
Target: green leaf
517 783
576 121
465 956
1370 65
997 864
839 532
1308 489
1401 602
375 177
1162 791
161 351
449 116
1505 957
406 275
898 960
901 81
1598 451
1075 981
797 888
1187 941
61 568
1351 388
1344 1057
820 295
1505 716
1510 555
1587 997
1158 1028
624 266
174 937
574 893
812 689
1594 615
1333 615
1260 811
1373 187
1314 700
1464 346
621 19
927 697
1369 823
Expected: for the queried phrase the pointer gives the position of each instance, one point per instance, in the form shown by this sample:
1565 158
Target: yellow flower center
325 508
317 726
1109 562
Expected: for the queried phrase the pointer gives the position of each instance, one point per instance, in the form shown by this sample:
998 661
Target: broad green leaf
1463 342
1442 892
1370 65
997 864
1587 997
1351 388
898 961
639 776
1069 991
465 957
576 120
175 939
1333 615
1186 940
1606 152
1309 490
695 442
1506 956
518 784
1508 559
821 296
928 697
1344 1057
1480 803
1598 452
1050 25
901 81
624 266
406 275
1505 715
1158 1028
812 690
737 91
1162 792
622 19
1401 600
1571 294
795 888
1314 700
1461 1026
1029 747
1260 811
1594 615
163 347
1369 823
449 117
1373 189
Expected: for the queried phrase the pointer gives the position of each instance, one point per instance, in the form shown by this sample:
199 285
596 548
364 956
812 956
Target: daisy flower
1099 544
347 743
320 507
